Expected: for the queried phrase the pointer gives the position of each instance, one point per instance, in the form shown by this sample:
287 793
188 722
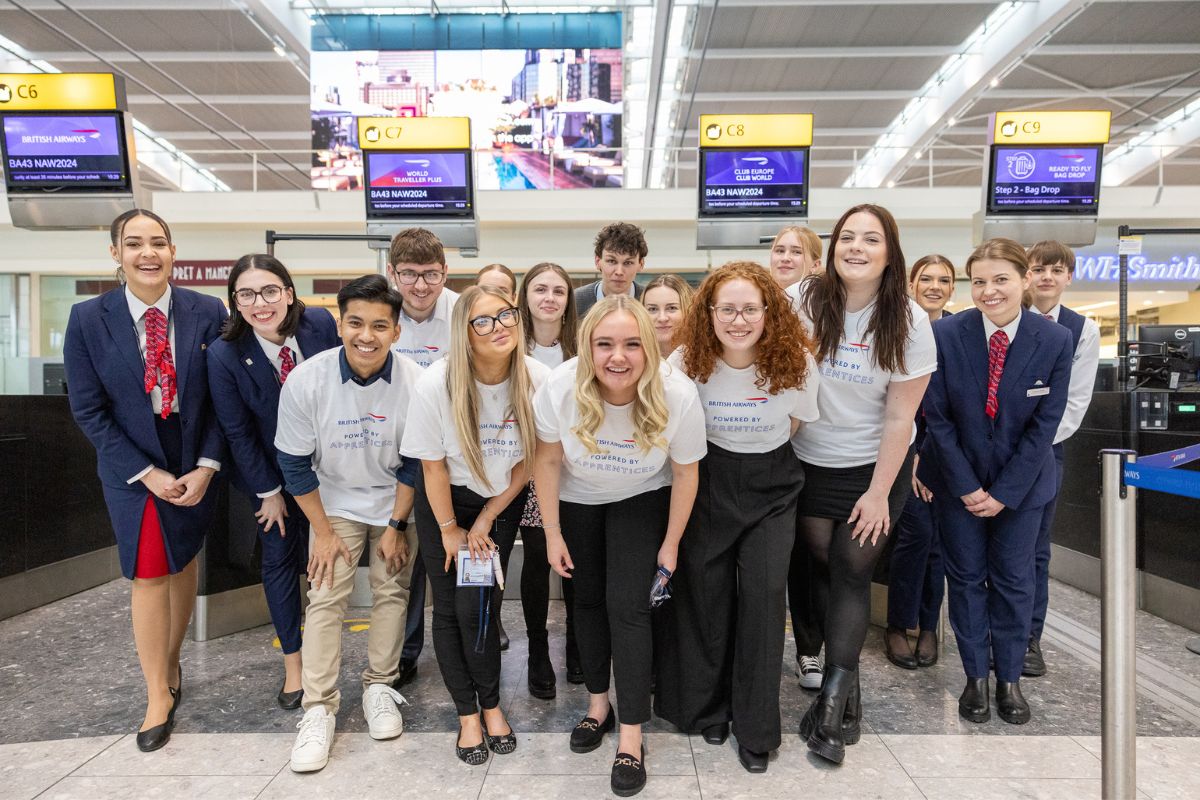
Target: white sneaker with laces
809 672
381 708
311 750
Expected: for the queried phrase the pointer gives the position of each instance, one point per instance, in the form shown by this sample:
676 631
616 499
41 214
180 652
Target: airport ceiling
226 81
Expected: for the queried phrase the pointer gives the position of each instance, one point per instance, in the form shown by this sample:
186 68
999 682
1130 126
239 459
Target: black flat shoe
1010 703
152 739
501 745
1034 665
927 649
973 704
476 755
716 734
628 774
289 701
589 733
752 761
406 673
904 659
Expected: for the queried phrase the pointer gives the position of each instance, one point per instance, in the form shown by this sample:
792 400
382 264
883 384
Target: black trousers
615 551
471 674
721 633
535 593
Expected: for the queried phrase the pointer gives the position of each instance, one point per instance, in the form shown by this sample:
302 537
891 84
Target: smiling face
933 288
368 331
739 339
860 253
618 356
501 281
662 303
1048 282
419 297
618 270
497 345
790 261
265 318
146 257
546 295
996 289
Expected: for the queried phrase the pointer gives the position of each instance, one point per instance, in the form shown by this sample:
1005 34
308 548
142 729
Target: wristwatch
399 524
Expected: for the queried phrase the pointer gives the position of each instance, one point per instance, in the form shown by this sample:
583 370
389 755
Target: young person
795 254
752 365
547 306
1052 267
620 255
667 299
471 425
417 269
875 352
619 438
341 419
917 578
992 410
269 335
135 361
499 276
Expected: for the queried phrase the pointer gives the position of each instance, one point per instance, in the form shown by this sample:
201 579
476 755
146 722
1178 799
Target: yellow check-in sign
756 130
1051 127
414 133
66 91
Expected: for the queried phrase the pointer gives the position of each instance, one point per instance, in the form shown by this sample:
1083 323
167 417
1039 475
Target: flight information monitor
418 184
754 182
1044 179
64 152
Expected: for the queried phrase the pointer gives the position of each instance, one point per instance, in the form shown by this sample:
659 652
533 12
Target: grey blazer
586 297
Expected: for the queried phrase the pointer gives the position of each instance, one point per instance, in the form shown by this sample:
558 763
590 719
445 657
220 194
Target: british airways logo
859 346
431 348
757 399
377 417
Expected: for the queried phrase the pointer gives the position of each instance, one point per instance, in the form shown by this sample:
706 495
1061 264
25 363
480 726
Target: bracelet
546 526
447 523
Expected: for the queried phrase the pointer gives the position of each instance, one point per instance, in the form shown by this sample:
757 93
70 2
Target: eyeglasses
431 276
269 294
751 314
484 325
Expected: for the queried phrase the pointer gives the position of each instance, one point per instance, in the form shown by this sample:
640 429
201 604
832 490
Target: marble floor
70 698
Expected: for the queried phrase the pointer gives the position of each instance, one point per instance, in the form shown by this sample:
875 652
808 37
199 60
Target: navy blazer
1009 456
108 399
245 392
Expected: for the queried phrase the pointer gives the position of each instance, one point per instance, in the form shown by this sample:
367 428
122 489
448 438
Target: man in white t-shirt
341 419
417 269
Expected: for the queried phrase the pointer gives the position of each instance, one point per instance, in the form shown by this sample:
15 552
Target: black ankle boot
822 725
540 671
852 716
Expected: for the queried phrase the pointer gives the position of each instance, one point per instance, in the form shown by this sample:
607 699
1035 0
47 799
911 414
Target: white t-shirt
551 356
426 342
621 469
854 389
353 432
430 434
744 418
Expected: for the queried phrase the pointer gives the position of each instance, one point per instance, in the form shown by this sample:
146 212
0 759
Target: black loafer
152 739
406 673
1011 704
752 761
501 745
289 701
628 774
1034 665
973 704
903 659
589 733
716 734
475 755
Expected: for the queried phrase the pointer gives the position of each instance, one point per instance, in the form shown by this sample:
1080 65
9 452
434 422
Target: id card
474 572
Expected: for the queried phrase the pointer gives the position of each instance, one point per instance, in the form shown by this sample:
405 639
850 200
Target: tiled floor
69 698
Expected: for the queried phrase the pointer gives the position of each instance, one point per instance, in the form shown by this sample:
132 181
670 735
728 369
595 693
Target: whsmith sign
1180 267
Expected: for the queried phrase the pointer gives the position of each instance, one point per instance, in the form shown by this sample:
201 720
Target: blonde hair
464 394
650 405
808 238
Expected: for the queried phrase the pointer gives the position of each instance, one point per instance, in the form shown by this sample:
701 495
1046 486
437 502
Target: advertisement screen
64 152
1046 179
753 182
412 184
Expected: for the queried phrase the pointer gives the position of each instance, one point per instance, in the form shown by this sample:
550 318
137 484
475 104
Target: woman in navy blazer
991 411
135 362
270 333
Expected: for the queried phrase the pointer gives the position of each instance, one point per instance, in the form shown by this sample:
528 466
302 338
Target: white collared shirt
600 290
272 351
989 328
427 341
1083 376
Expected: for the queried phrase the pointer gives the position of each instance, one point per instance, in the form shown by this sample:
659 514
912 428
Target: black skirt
831 492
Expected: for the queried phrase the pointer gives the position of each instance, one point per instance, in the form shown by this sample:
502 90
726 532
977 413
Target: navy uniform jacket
1010 457
105 373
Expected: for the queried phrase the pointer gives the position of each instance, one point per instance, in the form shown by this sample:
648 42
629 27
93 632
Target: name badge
1038 392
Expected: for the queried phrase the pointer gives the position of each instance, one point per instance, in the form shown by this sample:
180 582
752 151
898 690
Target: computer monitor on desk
1166 357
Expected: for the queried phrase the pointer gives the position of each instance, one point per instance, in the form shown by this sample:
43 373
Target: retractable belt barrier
1156 472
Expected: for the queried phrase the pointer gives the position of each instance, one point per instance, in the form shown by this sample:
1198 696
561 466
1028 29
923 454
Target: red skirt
152 550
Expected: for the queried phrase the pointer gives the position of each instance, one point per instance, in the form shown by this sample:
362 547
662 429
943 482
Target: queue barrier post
1118 716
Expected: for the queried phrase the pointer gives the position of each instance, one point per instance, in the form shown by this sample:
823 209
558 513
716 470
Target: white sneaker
311 750
380 707
809 672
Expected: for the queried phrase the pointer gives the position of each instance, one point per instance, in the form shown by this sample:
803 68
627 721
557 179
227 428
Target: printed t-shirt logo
377 417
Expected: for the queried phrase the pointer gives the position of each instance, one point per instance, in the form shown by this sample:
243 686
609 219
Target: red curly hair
783 348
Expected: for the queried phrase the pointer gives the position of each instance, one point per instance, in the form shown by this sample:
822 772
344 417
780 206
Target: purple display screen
55 151
752 182
1045 179
418 184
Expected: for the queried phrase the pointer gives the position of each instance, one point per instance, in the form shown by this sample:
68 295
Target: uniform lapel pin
249 362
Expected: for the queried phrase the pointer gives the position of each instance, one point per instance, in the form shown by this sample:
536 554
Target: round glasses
751 314
483 325
431 276
269 294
